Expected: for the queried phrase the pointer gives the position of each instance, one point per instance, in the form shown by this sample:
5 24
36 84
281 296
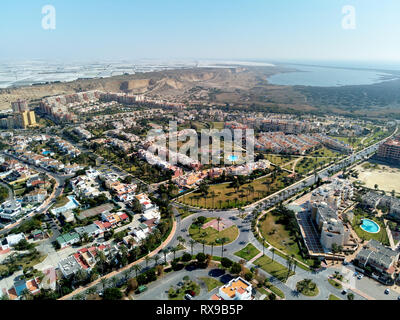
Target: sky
267 30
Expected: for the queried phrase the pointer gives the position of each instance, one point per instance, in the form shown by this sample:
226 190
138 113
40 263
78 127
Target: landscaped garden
381 236
210 235
274 268
248 252
225 195
307 288
275 229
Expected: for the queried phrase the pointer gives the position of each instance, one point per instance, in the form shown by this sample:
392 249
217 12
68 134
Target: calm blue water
370 226
45 153
327 77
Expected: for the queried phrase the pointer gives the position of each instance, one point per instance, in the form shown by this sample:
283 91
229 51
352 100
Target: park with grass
381 236
211 283
274 268
275 230
307 288
248 252
225 195
210 235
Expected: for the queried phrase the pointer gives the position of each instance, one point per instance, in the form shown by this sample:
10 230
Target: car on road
360 276
191 292
344 292
345 263
180 284
188 296
387 291
398 298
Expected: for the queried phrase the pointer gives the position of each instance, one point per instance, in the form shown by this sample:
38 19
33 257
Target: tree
165 251
201 257
137 268
226 263
186 257
112 294
132 285
203 242
147 260
212 247
218 221
223 241
236 268
350 296
192 243
156 258
174 250
272 296
104 283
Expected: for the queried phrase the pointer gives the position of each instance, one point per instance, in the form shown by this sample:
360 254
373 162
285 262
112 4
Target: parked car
387 291
188 296
360 276
191 292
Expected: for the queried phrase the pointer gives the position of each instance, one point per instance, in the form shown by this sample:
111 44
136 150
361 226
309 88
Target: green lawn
274 268
276 290
278 160
335 284
381 236
307 287
276 235
211 235
211 283
333 297
248 252
228 197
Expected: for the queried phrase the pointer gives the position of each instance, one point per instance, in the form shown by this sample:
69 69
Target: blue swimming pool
233 158
370 226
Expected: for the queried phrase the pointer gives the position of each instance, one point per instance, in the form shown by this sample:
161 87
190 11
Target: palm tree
263 245
219 220
156 258
220 203
114 281
104 283
223 241
137 268
165 251
192 243
203 242
212 247
147 260
174 250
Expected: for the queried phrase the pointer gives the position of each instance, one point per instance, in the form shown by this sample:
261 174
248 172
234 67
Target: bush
272 296
236 268
226 263
201 257
186 257
248 276
112 294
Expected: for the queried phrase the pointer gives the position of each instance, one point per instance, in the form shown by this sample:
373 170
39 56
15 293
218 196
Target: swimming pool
233 158
370 226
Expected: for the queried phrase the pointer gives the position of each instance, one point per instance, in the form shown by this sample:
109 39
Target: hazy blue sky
225 29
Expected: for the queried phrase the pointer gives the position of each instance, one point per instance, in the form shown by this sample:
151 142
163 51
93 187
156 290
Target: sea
335 75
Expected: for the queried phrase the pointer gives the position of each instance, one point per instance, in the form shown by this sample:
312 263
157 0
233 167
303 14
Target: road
57 191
